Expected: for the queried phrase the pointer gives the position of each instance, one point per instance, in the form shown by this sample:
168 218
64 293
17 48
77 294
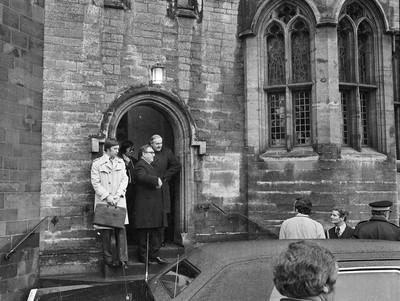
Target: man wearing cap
378 227
301 226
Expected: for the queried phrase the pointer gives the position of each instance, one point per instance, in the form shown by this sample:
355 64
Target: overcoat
347 233
109 178
147 204
167 166
377 228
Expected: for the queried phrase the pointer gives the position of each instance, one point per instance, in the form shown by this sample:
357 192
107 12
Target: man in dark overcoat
167 166
125 153
148 215
378 226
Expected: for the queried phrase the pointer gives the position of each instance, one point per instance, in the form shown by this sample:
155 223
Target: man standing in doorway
147 207
109 181
167 166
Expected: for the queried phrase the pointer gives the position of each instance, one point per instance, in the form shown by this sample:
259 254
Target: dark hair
379 212
303 205
143 150
343 213
304 269
109 143
124 146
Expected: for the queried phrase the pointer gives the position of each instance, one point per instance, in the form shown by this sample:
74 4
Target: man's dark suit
347 233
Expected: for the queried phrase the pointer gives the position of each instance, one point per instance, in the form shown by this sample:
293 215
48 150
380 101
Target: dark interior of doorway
138 125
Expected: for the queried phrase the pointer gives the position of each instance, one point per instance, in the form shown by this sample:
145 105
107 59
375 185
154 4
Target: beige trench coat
109 179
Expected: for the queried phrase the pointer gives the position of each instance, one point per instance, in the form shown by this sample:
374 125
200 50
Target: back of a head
304 270
303 205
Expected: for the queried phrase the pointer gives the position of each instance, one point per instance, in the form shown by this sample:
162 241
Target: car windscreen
178 278
363 284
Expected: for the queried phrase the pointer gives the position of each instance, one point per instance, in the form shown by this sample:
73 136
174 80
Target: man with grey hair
167 166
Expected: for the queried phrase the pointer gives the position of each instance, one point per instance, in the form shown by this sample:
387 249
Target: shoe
111 264
160 260
124 265
163 244
151 261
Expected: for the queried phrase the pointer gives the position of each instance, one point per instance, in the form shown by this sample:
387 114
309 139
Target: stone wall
21 69
350 182
93 54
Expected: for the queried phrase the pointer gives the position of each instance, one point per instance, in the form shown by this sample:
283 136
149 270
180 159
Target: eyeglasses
151 152
130 149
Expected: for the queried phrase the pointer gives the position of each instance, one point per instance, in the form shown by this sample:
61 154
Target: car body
242 270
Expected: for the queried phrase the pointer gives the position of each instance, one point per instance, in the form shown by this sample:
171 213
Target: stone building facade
261 101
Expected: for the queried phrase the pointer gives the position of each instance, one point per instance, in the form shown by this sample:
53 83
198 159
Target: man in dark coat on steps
167 166
148 215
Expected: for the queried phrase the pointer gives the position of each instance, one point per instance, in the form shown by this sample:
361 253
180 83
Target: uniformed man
378 227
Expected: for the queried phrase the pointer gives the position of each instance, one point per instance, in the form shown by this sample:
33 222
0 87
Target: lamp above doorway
157 74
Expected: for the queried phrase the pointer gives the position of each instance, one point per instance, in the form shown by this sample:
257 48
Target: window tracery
288 39
356 76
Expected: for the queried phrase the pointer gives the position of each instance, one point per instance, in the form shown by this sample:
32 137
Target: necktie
337 231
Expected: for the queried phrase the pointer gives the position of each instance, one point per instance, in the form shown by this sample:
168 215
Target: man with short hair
341 229
148 217
378 226
301 226
167 166
306 271
109 181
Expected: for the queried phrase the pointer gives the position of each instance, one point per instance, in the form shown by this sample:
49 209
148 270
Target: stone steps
136 271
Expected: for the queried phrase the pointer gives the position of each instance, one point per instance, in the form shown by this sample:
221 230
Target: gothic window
356 77
288 78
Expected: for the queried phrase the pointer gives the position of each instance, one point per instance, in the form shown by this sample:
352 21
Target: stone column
326 108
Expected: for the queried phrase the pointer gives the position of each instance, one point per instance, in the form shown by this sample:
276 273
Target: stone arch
184 131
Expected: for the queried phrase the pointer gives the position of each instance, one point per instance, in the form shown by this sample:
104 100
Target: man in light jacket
301 226
109 181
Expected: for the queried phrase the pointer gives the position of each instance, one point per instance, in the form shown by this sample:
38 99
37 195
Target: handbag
109 216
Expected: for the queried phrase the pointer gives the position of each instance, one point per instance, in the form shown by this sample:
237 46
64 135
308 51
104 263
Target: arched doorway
138 125
176 124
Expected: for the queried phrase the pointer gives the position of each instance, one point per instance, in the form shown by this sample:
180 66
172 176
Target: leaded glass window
344 122
288 67
276 55
277 119
356 76
302 117
301 52
344 49
364 52
364 118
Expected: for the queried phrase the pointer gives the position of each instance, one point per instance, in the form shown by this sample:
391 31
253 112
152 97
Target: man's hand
111 200
159 183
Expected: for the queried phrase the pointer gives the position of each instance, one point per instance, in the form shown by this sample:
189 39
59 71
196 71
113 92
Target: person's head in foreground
306 271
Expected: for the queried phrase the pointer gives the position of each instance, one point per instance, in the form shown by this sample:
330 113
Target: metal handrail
54 221
231 214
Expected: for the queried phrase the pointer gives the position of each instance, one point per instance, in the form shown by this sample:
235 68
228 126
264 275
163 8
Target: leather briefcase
109 216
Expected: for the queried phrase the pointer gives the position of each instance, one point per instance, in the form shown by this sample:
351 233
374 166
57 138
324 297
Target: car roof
343 249
210 259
